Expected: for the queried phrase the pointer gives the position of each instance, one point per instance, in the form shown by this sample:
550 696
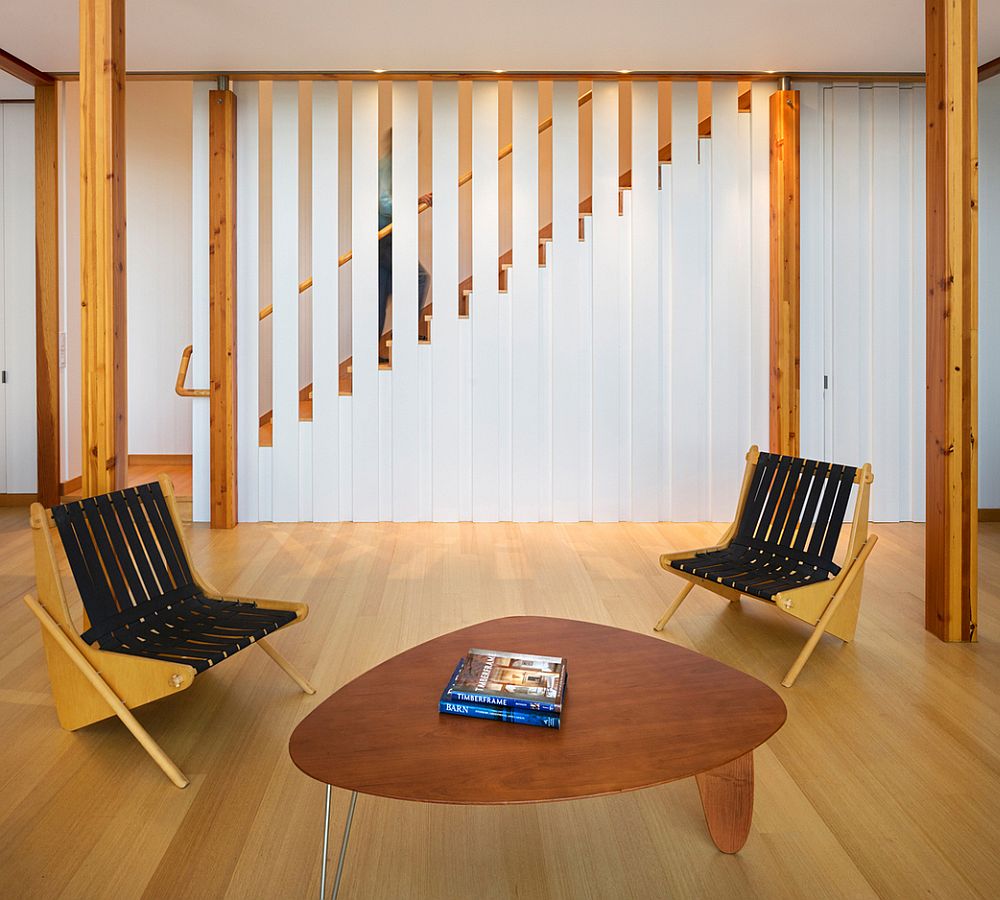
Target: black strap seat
137 587
787 534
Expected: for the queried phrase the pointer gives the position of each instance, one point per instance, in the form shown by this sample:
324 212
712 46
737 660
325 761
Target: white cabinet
18 437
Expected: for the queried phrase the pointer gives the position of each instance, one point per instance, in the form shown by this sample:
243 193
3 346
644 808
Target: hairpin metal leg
343 845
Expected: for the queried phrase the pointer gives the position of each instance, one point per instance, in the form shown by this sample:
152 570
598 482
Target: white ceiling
475 35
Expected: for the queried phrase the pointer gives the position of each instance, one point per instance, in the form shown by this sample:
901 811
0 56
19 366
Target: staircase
505 263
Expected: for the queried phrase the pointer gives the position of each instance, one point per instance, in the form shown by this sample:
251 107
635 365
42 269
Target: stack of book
508 687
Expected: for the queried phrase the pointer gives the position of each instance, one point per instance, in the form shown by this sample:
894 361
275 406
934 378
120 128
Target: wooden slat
247 298
24 71
405 412
484 312
325 303
222 305
444 285
785 267
285 297
102 246
47 291
952 298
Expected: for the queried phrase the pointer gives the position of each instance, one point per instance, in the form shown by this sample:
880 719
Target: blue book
499 713
505 680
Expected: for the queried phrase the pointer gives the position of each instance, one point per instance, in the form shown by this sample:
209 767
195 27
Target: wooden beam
952 296
104 411
47 291
222 306
989 69
784 357
23 71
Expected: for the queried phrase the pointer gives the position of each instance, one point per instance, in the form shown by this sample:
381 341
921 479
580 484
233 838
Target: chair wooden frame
90 684
830 606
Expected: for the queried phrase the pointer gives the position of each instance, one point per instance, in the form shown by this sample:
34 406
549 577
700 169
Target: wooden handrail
544 125
182 372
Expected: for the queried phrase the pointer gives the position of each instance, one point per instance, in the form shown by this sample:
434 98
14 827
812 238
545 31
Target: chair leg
678 600
286 666
807 650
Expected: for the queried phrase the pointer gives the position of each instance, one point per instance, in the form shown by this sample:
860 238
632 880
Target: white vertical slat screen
607 305
364 301
406 419
247 298
285 456
484 305
444 322
646 399
325 302
524 299
198 373
623 372
566 306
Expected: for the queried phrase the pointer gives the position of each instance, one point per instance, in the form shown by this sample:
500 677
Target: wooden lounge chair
780 547
151 622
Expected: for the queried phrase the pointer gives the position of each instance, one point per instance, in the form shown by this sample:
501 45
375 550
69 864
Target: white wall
989 293
158 236
18 432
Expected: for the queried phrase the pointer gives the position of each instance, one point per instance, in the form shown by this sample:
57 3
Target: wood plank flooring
885 782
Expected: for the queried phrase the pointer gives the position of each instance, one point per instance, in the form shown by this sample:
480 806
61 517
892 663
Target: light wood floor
884 782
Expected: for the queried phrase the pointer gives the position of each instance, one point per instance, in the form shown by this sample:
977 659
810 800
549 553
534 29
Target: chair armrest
301 610
665 558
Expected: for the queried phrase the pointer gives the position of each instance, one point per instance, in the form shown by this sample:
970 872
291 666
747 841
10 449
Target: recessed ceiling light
499 71
624 71
378 71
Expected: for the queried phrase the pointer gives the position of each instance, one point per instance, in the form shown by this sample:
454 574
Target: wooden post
104 412
784 363
952 289
47 291
222 305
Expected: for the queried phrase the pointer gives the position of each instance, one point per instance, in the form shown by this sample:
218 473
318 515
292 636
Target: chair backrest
796 506
125 554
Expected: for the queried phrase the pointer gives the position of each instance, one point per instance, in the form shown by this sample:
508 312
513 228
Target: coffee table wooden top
639 712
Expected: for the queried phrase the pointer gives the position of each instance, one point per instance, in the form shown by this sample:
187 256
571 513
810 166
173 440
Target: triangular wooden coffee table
639 712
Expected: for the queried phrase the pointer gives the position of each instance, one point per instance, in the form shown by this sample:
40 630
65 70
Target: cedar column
952 289
784 362
47 291
222 305
104 410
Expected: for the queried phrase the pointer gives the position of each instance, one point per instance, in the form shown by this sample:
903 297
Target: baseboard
71 486
17 499
159 459
989 515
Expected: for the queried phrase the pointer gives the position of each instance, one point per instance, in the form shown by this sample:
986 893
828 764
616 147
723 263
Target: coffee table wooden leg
727 798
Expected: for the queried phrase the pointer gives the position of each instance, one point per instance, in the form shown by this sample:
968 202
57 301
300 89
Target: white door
18 434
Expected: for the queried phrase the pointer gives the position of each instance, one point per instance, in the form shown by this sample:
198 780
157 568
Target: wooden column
104 410
47 291
952 289
222 305
784 362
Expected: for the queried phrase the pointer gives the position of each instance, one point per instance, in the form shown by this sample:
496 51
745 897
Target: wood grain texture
639 712
222 306
952 313
727 799
24 71
103 318
47 290
785 268
870 715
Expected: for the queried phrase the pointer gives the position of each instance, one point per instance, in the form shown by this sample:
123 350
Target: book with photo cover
502 679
